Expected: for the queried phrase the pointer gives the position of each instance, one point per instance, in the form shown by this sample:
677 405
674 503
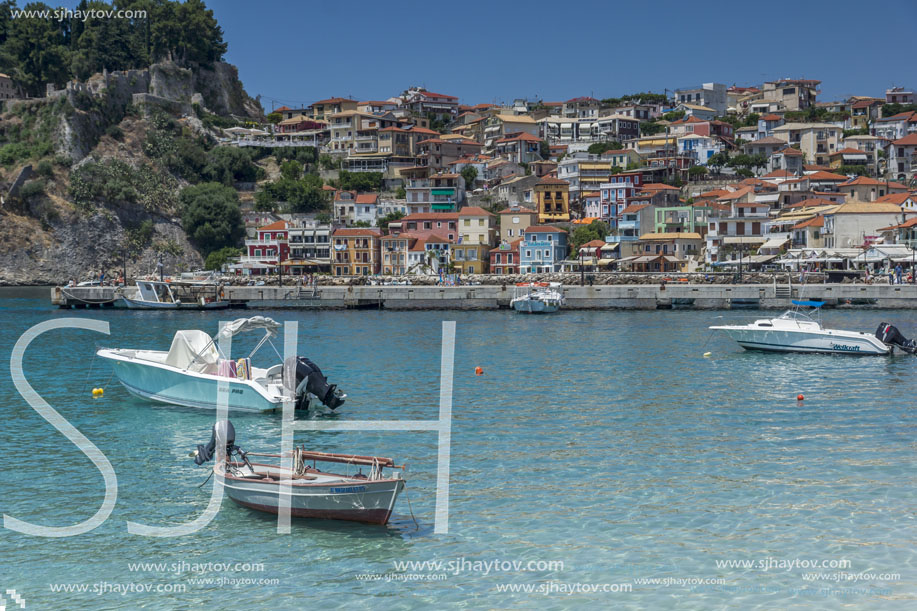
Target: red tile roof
771 117
909 140
518 211
274 226
524 136
474 211
367 198
895 198
548 180
779 174
658 186
822 176
789 151
634 208
817 221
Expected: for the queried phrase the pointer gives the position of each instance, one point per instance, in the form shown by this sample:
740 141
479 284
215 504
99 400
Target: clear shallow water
602 440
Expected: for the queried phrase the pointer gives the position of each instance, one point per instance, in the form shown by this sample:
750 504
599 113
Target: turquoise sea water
601 442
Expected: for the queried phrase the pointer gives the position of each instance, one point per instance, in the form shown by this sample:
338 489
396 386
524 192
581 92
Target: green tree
274 118
218 258
400 192
718 161
649 128
360 181
211 216
596 230
390 218
291 169
697 172
597 148
229 164
544 149
37 51
470 174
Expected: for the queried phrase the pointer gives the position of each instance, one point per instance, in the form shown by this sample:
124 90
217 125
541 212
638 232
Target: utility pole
161 267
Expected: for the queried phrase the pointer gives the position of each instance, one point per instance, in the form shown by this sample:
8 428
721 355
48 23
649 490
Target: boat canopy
811 304
241 325
194 350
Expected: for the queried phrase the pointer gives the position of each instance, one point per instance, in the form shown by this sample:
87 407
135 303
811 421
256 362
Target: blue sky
296 52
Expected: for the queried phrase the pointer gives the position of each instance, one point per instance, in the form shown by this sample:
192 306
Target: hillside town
695 179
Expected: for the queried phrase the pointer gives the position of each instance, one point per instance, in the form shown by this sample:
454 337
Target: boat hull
137 304
534 306
826 341
364 501
165 384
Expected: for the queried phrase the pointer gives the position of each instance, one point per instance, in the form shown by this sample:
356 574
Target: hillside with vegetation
116 157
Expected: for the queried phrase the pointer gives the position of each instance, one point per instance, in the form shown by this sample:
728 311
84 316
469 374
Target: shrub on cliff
211 216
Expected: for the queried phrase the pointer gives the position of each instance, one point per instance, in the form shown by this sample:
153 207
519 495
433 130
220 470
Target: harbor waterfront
660 295
600 461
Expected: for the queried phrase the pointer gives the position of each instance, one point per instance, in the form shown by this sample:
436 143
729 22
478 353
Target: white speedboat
190 372
537 297
313 493
154 295
798 331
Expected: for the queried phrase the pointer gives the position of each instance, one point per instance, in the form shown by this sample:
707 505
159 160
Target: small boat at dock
537 297
314 493
155 295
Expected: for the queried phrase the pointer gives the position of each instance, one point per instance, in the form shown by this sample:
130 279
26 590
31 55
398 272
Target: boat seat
274 370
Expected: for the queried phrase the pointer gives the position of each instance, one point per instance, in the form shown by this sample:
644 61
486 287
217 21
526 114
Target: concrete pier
490 297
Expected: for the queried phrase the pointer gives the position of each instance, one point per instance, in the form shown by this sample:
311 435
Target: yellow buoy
97 392
707 353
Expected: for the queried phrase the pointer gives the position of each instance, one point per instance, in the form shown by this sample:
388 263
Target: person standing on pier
898 272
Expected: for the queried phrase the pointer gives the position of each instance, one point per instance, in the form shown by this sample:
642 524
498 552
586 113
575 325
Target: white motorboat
313 493
537 297
155 295
190 372
799 331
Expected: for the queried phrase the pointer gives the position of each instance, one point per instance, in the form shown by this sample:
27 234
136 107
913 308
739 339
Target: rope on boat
410 507
206 480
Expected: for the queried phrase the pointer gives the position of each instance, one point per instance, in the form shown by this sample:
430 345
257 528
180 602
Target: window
528 253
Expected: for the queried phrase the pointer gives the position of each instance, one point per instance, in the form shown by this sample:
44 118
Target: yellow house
476 226
552 200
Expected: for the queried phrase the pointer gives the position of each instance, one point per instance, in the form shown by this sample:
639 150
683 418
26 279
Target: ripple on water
600 439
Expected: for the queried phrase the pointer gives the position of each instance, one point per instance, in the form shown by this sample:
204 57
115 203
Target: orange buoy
478 371
800 397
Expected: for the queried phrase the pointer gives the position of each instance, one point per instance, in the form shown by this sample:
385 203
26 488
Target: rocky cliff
45 237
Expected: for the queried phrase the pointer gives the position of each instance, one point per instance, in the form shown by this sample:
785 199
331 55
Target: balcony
274 243
261 259
347 125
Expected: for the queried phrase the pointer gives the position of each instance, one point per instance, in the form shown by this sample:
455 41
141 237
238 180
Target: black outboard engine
303 377
221 430
889 334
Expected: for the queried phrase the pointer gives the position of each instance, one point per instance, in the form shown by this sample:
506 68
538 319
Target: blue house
543 249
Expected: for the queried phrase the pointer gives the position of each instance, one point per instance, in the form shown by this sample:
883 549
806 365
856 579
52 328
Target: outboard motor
889 334
221 430
303 377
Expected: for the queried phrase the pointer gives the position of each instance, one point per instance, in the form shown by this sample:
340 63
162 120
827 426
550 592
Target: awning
745 239
301 262
607 261
611 246
775 242
240 325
